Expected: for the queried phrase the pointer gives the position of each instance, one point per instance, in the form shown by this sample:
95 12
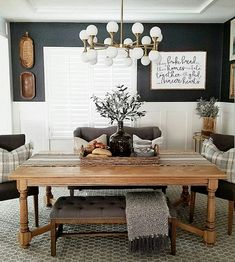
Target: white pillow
79 142
9 161
156 141
225 161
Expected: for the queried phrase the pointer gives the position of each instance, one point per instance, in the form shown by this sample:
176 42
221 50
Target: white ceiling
172 11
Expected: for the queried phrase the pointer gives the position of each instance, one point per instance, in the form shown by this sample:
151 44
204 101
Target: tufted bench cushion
93 209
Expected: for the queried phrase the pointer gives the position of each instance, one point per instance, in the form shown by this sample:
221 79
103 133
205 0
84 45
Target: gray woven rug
189 246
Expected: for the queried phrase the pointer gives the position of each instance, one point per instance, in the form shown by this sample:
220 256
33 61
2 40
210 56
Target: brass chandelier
138 49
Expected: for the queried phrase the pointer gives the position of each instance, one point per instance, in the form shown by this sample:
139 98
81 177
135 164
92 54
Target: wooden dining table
56 175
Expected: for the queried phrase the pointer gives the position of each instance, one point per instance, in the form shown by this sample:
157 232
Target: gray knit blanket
147 216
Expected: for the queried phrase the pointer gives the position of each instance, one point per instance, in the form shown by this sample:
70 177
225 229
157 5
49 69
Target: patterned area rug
189 246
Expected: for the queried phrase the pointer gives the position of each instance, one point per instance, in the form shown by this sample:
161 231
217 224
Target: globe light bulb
91 54
107 41
159 59
155 31
146 40
108 61
83 35
111 51
92 30
145 60
137 28
128 61
128 41
93 62
159 39
84 57
112 27
153 55
137 52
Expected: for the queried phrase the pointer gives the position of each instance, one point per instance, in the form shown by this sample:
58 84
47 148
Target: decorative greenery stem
207 108
119 105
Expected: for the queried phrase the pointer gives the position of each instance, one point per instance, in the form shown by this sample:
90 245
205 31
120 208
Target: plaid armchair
226 189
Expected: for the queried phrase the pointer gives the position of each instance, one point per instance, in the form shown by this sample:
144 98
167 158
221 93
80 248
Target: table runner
73 160
53 160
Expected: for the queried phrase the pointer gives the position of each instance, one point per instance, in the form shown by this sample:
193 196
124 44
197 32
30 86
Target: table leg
210 234
184 198
24 234
49 196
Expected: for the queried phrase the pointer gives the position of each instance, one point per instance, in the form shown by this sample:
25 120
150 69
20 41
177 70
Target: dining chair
8 190
226 189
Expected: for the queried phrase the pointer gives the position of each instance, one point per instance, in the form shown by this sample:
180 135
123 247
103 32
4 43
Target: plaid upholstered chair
8 189
226 189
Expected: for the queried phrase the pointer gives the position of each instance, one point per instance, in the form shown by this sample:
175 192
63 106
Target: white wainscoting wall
177 120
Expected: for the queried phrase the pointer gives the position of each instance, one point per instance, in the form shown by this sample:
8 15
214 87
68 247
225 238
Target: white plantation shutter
70 83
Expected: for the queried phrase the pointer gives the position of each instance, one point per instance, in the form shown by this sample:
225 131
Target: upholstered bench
93 210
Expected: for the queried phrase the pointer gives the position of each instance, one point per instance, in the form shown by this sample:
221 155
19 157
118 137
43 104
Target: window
70 83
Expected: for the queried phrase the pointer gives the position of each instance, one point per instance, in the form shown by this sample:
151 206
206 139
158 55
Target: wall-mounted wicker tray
120 161
26 51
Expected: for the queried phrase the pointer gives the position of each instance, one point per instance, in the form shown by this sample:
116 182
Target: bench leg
192 206
53 238
60 230
173 236
230 216
35 202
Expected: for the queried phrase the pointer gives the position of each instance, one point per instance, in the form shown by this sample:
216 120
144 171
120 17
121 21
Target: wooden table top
118 175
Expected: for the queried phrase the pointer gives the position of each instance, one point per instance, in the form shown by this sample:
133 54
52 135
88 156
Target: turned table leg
49 196
184 198
24 234
210 235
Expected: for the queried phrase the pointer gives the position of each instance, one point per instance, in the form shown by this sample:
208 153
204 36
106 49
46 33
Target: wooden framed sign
179 70
26 51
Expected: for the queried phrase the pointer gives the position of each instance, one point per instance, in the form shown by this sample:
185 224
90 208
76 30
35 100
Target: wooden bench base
93 210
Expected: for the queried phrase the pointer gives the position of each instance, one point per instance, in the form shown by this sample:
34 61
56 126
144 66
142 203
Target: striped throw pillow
9 161
225 161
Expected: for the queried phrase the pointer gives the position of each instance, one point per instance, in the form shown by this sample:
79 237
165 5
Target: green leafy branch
119 105
207 108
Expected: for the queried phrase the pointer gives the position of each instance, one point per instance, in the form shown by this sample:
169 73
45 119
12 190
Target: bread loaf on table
101 151
93 155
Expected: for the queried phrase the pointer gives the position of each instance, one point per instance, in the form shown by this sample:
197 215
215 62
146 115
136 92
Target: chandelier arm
85 45
155 43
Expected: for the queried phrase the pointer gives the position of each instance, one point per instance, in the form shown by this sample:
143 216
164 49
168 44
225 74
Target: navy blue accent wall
176 37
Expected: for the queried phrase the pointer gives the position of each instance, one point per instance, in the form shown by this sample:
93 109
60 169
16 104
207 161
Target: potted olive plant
208 110
119 105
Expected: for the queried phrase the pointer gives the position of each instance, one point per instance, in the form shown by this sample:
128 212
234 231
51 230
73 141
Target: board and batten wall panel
176 131
227 112
31 120
178 121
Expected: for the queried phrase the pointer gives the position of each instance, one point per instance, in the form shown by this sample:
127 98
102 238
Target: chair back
11 142
223 142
